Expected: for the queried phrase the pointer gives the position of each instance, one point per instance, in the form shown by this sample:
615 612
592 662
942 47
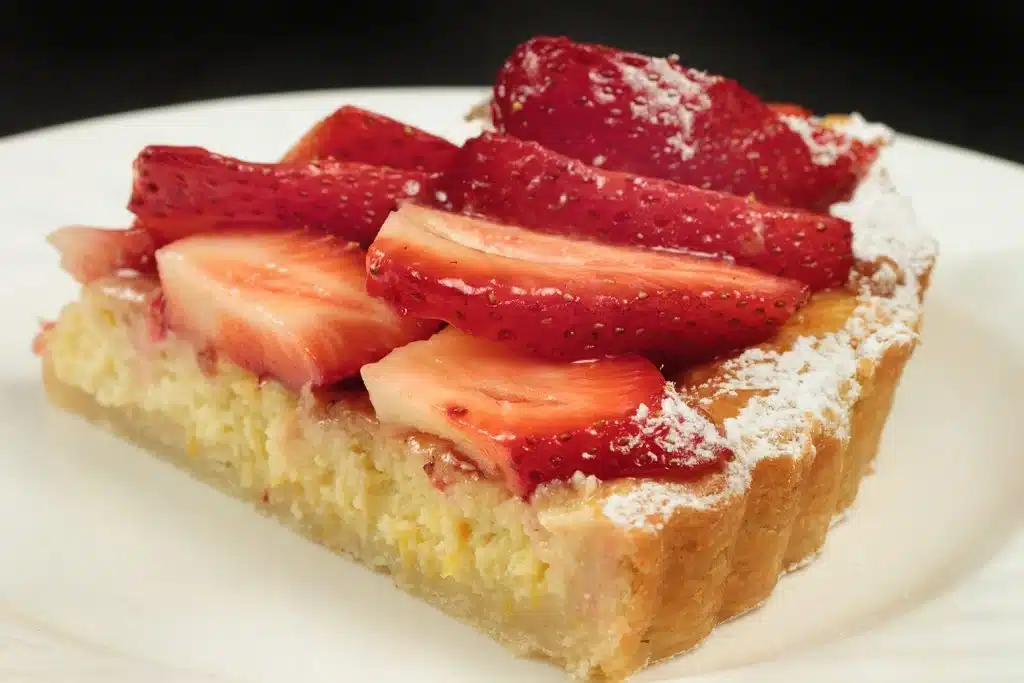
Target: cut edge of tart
410 472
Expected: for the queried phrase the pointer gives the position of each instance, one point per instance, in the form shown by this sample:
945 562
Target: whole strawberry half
89 253
654 117
569 299
179 191
354 134
521 182
291 305
529 421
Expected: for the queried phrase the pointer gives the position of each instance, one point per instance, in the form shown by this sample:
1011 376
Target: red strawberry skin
653 117
354 134
569 299
531 421
89 253
189 189
291 305
521 182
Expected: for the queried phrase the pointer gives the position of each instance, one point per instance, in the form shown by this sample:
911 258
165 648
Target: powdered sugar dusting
888 237
687 437
859 128
649 504
666 94
825 150
534 85
886 230
812 381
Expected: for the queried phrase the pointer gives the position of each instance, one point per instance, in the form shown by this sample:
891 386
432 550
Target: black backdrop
932 70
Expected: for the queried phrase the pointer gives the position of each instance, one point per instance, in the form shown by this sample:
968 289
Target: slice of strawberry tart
590 381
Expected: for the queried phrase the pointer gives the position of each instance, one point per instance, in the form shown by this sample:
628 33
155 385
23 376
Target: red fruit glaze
288 304
91 253
354 134
185 190
520 182
530 421
564 298
650 116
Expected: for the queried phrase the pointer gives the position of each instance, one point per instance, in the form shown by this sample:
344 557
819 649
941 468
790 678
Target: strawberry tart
591 380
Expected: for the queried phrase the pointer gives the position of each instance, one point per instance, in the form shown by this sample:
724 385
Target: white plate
115 567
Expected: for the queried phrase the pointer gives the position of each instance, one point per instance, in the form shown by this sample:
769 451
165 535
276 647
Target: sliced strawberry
531 421
630 112
289 304
520 182
354 134
91 253
565 298
189 186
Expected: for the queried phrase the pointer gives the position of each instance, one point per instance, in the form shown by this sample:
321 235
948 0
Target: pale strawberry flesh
571 299
521 182
89 253
653 117
188 190
530 421
355 134
291 305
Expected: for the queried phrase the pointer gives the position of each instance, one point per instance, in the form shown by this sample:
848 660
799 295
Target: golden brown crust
695 552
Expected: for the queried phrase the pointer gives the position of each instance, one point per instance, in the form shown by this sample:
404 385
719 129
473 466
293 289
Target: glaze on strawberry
520 182
529 421
569 299
654 117
290 304
180 191
354 134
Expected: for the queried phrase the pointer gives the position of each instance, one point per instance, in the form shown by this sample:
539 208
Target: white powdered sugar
650 504
886 229
816 379
887 236
665 94
531 64
859 128
823 153
687 436
676 428
534 85
810 381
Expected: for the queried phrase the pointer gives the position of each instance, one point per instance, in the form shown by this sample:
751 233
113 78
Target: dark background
945 72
